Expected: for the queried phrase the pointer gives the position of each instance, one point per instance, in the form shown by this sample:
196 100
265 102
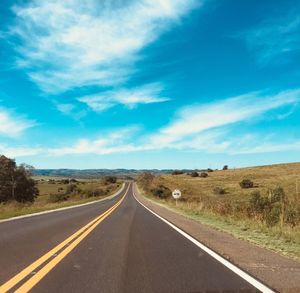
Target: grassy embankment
53 195
232 212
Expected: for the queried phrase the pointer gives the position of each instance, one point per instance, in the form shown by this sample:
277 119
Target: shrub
292 216
277 195
258 203
94 192
58 197
225 167
71 188
203 175
210 170
110 179
194 174
161 191
246 183
272 207
219 190
99 192
273 216
177 172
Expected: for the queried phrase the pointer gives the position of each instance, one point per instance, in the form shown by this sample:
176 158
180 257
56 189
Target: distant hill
93 173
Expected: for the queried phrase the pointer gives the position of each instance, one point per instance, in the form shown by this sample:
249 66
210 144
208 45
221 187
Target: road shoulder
277 271
72 206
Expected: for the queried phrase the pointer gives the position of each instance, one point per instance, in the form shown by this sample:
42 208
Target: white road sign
176 193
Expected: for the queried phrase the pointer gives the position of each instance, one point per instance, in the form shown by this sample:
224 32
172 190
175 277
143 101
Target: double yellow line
70 245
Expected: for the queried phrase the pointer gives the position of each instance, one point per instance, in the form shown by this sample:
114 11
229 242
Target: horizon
172 169
183 84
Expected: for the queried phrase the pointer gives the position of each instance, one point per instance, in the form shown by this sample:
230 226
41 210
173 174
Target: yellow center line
83 232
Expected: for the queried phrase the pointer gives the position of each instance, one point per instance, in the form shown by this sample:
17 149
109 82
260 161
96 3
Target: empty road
116 245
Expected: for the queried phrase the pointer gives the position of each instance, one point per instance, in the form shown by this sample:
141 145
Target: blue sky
150 84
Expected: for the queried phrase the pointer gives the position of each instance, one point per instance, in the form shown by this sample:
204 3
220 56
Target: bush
277 195
71 188
177 172
210 170
94 192
292 216
258 203
225 167
58 197
161 191
110 179
273 216
203 175
219 190
146 178
270 208
246 183
194 174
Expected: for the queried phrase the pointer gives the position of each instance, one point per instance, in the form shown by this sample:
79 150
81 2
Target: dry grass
42 202
227 212
264 178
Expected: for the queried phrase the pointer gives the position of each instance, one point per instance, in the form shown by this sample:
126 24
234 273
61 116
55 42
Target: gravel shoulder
278 272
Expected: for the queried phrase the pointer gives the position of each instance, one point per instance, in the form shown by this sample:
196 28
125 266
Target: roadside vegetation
21 193
260 204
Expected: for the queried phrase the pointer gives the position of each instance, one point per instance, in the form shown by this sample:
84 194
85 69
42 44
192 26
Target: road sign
176 193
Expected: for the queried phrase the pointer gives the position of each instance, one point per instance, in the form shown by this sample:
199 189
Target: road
126 249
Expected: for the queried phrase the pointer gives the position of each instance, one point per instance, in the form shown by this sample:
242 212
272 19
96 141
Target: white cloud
147 94
74 43
14 152
274 37
192 120
12 124
268 147
115 141
207 128
65 108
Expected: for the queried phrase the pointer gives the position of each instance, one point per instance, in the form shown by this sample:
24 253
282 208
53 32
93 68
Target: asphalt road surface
111 246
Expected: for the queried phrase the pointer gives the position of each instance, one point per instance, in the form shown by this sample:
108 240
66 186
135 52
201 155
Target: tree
225 167
194 174
15 182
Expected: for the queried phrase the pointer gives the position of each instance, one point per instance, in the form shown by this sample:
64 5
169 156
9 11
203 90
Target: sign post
176 194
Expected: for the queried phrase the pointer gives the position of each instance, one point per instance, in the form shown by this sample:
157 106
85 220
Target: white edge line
65 208
216 256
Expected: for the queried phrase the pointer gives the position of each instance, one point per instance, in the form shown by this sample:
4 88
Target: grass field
229 211
52 192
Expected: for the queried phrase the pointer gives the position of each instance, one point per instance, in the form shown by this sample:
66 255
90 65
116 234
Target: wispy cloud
12 124
207 128
147 94
68 44
14 152
275 37
116 141
193 120
71 110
